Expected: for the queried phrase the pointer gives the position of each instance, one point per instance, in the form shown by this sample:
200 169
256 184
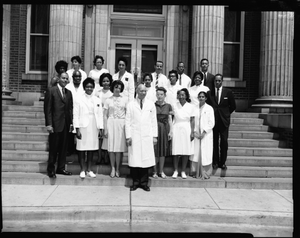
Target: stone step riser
105 180
24 137
140 214
23 108
247 127
247 143
24 128
240 151
22 121
252 121
168 170
27 115
252 135
10 145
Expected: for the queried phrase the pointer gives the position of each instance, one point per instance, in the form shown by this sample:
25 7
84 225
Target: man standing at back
183 80
159 79
223 102
208 78
58 110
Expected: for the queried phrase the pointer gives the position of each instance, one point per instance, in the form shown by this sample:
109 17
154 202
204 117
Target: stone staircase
256 158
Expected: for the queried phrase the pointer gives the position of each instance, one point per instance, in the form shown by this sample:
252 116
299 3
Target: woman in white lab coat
203 141
126 78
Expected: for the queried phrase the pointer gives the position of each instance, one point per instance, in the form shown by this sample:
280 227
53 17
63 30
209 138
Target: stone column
6 93
65 34
208 37
276 60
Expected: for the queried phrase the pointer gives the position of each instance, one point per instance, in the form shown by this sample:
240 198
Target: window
150 9
37 38
233 44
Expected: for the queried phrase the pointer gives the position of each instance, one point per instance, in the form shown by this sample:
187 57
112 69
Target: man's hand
129 141
50 129
154 140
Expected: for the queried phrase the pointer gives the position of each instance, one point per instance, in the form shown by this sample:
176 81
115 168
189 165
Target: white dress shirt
162 80
185 81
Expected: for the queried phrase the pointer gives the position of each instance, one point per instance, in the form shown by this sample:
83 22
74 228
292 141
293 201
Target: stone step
25 145
252 128
24 128
232 171
22 121
38 103
24 155
252 135
244 115
251 121
259 161
106 180
255 151
255 143
23 108
24 114
7 136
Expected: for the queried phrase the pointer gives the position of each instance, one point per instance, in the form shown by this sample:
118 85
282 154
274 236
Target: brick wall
251 57
18 53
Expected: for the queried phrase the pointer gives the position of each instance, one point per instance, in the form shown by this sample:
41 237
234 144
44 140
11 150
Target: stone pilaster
276 61
6 93
65 34
208 37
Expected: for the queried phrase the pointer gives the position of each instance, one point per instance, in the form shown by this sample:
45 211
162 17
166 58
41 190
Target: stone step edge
133 213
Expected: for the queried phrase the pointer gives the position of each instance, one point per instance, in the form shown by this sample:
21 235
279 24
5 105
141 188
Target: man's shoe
64 172
223 166
215 166
51 175
145 187
133 187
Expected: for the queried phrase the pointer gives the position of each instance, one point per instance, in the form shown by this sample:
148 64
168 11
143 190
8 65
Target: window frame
28 38
241 51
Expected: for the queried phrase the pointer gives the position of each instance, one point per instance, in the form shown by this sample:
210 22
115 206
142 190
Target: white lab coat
128 81
206 123
141 127
81 112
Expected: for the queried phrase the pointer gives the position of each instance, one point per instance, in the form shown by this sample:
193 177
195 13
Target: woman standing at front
114 126
183 131
203 142
98 71
126 78
88 121
164 125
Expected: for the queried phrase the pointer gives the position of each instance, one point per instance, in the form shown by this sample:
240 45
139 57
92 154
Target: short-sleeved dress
116 141
181 141
95 74
161 149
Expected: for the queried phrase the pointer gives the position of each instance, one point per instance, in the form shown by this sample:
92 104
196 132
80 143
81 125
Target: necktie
204 79
179 79
141 104
217 99
156 82
63 93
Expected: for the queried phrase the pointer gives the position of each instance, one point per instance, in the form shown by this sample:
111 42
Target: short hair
98 57
194 76
158 61
88 80
115 83
173 71
77 58
105 75
60 64
161 89
219 75
188 99
122 59
205 93
180 62
147 74
75 71
203 60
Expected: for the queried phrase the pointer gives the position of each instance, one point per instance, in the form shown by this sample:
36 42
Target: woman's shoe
155 175
163 175
183 175
175 174
113 173
117 175
82 174
91 174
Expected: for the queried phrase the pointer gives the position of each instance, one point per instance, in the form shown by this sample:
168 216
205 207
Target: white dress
171 95
181 141
95 74
116 141
194 91
89 135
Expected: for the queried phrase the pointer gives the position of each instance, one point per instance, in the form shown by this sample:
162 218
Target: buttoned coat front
81 112
141 127
128 81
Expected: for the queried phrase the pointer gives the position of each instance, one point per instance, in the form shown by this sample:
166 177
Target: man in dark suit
223 102
58 110
208 78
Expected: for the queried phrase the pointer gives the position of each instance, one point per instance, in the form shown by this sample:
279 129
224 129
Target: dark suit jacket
224 108
58 111
210 78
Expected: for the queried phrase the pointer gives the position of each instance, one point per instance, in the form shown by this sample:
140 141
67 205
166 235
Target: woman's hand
78 134
100 134
196 135
202 135
129 141
154 140
105 133
170 135
192 136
